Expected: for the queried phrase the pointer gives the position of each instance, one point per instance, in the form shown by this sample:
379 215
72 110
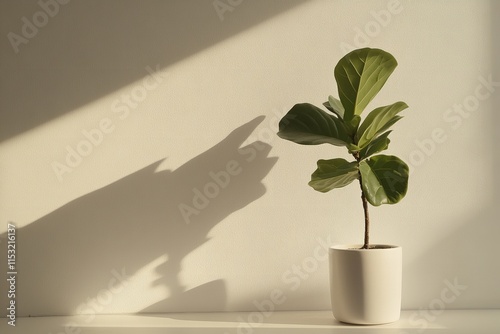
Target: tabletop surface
412 321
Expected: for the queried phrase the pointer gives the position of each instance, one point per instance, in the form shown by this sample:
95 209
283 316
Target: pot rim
357 248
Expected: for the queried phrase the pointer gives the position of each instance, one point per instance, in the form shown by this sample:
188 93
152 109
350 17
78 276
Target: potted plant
365 279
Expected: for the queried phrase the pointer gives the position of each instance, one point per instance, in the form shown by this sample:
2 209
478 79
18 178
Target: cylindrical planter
365 284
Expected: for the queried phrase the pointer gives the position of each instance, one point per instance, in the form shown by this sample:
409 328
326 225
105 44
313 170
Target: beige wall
115 229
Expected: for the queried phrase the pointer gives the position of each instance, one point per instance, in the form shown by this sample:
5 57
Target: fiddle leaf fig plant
383 179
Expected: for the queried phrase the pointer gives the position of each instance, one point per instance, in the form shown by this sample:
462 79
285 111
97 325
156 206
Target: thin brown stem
366 243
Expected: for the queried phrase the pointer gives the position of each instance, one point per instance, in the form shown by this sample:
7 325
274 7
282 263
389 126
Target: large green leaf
384 179
360 75
334 173
377 145
308 125
378 121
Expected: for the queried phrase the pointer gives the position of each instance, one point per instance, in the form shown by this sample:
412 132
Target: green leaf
360 75
354 123
335 106
378 121
327 106
389 124
353 148
308 125
334 173
376 146
384 179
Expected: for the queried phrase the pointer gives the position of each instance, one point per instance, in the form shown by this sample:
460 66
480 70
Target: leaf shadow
72 259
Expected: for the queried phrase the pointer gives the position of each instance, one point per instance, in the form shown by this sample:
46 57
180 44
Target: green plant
383 179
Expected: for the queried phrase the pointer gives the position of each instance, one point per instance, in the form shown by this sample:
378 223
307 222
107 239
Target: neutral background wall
104 231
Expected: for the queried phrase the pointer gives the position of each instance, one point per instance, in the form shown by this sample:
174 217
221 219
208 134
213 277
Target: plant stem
366 243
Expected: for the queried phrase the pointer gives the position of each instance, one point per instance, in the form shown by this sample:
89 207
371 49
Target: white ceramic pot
365 284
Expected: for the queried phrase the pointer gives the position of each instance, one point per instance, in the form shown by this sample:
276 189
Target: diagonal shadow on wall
92 48
68 256
472 246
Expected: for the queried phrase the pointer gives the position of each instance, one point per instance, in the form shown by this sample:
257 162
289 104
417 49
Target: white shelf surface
418 321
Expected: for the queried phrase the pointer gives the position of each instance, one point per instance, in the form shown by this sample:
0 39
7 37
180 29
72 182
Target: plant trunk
366 243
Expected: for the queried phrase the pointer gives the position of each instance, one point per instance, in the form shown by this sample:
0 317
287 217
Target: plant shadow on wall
88 49
88 246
